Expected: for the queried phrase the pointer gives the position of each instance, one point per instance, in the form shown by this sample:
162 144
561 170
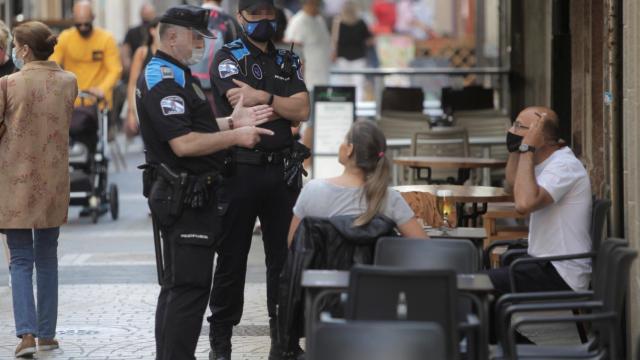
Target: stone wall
631 152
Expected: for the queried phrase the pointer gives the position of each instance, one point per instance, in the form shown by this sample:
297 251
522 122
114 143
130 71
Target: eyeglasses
518 126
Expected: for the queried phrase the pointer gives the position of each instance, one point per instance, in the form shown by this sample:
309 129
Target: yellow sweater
94 60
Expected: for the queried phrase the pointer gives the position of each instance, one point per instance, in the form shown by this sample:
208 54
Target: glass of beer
445 208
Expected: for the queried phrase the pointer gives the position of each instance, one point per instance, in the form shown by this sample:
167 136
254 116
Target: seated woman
362 189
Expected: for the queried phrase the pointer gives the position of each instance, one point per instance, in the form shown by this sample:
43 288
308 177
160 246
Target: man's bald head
551 126
82 12
147 12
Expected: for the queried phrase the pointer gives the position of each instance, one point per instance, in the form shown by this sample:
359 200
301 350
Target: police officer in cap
183 141
263 182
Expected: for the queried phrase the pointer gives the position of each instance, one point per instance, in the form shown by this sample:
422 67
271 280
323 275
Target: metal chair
441 141
373 340
605 303
382 293
458 255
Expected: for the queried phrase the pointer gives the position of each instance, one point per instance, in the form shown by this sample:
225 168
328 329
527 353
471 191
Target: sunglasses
87 24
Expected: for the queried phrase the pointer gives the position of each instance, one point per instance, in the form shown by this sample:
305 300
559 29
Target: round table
464 194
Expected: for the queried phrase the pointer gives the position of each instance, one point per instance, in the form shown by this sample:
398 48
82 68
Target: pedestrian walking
36 105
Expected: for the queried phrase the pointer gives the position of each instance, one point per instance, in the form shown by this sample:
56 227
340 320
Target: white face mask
196 56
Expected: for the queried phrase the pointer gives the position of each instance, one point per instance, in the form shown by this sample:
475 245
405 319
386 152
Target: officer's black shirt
170 104
241 60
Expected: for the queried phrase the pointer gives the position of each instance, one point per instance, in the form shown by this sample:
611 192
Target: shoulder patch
159 69
238 49
228 68
172 105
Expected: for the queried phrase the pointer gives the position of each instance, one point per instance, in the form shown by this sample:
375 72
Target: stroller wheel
113 201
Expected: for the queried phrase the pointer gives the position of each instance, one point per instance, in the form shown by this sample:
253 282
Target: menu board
333 114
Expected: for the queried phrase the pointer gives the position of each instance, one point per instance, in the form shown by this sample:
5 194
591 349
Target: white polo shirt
562 228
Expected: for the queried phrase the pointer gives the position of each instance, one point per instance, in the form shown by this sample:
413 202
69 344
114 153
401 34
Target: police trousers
252 191
188 253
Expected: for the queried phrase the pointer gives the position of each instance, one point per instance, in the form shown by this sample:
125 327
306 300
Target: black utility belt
260 157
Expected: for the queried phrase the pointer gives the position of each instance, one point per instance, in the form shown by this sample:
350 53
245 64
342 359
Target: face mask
513 141
262 30
86 30
19 63
196 56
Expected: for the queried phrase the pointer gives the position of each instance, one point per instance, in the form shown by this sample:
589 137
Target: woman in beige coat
36 105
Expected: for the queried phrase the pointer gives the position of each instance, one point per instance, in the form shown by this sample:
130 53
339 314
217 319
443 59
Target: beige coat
34 151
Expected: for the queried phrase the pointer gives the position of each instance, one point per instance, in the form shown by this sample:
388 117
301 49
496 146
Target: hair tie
381 154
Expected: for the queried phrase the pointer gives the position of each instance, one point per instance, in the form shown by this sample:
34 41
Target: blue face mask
261 30
19 63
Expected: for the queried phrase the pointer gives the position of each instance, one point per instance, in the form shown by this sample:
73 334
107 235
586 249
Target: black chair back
473 97
614 298
374 340
383 293
599 211
459 255
402 99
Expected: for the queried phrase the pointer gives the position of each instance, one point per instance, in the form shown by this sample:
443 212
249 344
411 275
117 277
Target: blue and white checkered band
257 71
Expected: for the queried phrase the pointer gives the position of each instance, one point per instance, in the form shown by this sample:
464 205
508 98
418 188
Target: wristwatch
270 102
523 148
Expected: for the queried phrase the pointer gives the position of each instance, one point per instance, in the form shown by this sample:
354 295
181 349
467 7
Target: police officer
182 141
258 185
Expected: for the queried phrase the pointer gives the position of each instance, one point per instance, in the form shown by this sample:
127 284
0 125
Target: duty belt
259 157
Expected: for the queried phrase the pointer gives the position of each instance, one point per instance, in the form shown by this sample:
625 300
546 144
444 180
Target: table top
458 233
473 140
339 279
449 162
461 193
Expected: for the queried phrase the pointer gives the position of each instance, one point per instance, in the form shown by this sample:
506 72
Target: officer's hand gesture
249 136
250 116
252 97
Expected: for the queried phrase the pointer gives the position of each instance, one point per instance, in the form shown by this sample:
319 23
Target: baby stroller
89 159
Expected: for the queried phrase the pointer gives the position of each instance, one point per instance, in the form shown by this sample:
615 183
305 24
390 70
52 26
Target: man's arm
245 116
113 65
58 51
528 195
200 144
510 172
294 108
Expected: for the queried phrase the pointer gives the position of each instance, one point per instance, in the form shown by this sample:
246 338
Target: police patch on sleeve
227 68
172 105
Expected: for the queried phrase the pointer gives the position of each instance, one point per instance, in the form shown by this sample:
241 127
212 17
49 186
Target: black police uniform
255 186
171 104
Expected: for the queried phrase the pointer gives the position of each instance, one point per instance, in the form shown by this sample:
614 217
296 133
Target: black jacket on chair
322 244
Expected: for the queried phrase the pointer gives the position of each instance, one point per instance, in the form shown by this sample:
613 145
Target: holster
166 196
293 165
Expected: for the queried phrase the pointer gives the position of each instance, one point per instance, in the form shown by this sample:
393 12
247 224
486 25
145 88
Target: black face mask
262 30
85 29
513 141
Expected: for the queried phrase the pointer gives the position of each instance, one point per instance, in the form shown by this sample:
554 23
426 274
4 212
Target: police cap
189 16
254 4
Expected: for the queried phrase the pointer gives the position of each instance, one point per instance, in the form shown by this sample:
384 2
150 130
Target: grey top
320 198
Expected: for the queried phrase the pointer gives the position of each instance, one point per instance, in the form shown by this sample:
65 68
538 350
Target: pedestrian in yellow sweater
91 53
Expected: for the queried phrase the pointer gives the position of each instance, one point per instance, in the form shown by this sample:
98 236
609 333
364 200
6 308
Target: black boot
220 339
277 352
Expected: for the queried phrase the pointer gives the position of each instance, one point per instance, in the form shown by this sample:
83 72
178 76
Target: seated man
552 185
